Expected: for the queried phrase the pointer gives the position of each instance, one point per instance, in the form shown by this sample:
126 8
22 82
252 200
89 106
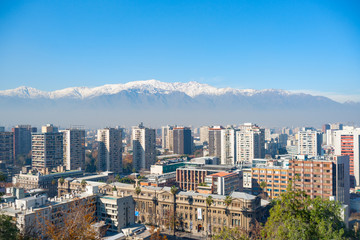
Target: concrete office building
309 142
182 140
144 147
228 146
47 148
110 150
215 141
250 143
74 148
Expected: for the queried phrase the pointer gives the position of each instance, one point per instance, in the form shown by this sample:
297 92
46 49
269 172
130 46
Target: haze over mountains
157 103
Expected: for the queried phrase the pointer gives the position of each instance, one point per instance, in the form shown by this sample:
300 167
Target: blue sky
312 46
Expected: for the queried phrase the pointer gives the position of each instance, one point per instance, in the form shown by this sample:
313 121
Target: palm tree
263 186
137 192
155 202
174 191
83 183
228 200
209 202
61 180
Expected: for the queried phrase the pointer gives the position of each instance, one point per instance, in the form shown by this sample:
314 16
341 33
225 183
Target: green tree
137 192
231 234
61 180
174 190
8 229
83 183
228 201
2 177
209 201
296 216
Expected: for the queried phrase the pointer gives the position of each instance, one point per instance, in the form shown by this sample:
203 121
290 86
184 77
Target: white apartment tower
309 142
228 146
250 143
74 148
144 147
110 150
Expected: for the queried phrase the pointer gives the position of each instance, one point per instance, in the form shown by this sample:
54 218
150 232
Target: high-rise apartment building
182 140
250 143
7 147
110 150
204 134
309 142
47 148
144 147
166 137
325 127
74 148
346 143
215 141
22 140
228 146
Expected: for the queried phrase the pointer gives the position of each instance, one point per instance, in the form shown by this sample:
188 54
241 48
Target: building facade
347 143
309 142
215 141
7 147
326 178
22 140
47 148
110 150
250 143
228 146
155 205
74 148
144 147
182 140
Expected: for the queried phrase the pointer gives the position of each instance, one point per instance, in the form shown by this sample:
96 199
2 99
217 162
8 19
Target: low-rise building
189 177
48 181
224 183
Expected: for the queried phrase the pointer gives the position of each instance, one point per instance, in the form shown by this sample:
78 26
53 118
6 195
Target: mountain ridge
192 89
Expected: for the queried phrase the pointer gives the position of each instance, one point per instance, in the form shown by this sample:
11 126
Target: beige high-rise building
166 137
47 148
74 148
110 150
144 147
250 143
204 134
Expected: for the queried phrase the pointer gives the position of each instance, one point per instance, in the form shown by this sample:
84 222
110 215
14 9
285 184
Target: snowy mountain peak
191 89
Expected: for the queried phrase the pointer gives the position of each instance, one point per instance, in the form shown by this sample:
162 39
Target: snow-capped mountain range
160 103
191 89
